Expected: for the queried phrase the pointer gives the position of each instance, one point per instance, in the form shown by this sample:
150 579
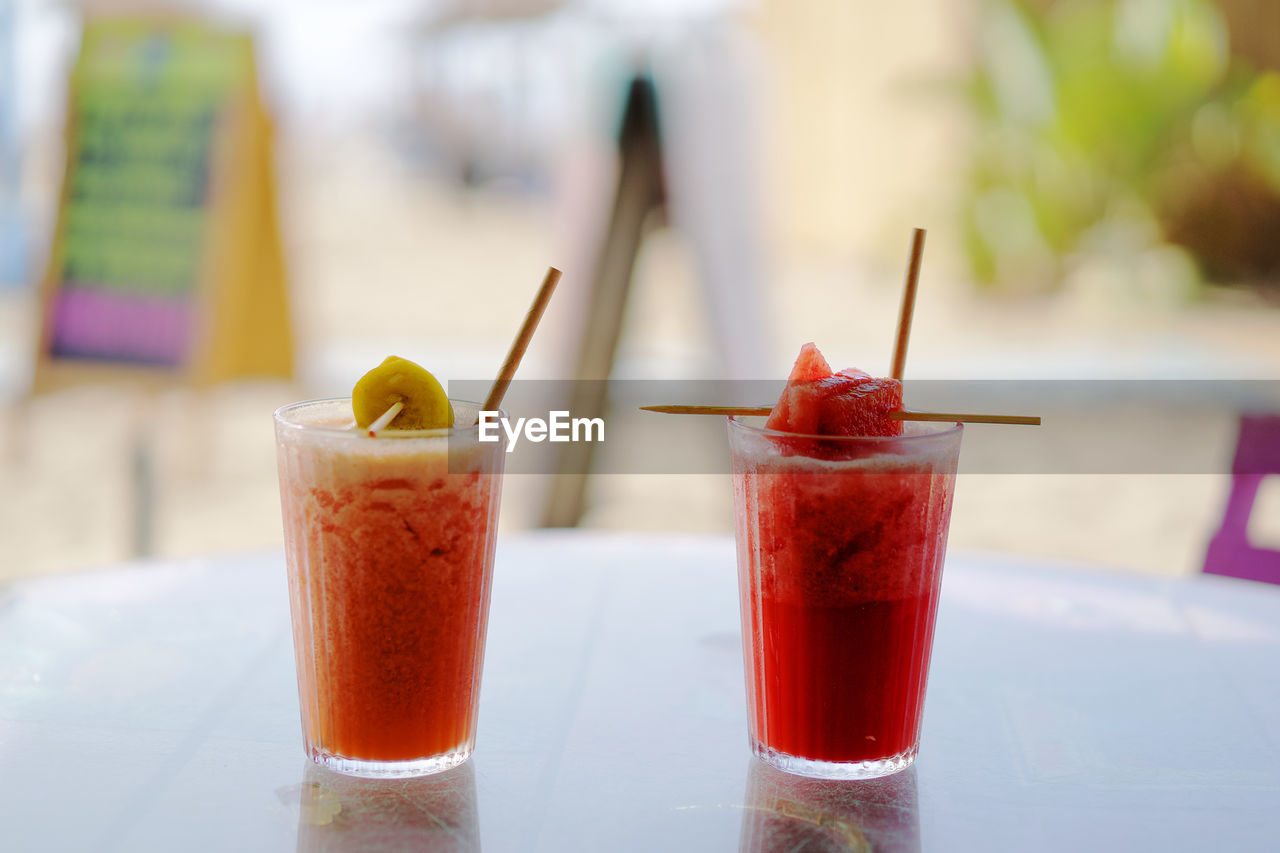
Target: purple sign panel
114 326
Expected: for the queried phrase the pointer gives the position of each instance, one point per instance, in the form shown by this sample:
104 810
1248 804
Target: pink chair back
1230 552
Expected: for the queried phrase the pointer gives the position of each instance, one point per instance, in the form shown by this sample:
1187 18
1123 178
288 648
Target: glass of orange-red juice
389 541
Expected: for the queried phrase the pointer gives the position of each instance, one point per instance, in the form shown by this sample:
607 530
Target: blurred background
1100 181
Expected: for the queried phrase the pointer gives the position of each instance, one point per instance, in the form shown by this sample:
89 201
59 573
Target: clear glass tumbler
389 543
840 549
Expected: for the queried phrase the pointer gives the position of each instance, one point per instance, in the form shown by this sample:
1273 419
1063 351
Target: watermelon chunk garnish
810 366
851 402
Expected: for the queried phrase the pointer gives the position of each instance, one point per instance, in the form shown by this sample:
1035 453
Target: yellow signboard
166 262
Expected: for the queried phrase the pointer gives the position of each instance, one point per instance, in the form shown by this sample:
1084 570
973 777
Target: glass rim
945 430
281 417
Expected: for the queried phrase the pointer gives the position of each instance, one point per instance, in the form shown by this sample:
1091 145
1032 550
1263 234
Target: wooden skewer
760 411
386 417
741 411
521 343
899 364
908 305
967 418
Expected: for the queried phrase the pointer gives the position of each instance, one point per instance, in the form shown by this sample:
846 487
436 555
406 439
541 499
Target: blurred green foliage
1119 135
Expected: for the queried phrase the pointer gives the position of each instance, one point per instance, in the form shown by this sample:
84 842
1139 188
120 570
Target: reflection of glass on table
788 812
341 813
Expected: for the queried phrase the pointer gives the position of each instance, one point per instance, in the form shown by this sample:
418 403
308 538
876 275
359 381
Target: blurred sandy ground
389 257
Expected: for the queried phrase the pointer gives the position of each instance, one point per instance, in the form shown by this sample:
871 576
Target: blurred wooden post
638 198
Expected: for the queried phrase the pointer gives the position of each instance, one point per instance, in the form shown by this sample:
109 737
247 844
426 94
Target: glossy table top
153 707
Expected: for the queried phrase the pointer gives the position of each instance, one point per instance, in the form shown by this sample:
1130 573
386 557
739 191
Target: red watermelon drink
841 529
389 543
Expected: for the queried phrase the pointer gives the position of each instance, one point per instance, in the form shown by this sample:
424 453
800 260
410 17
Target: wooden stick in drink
521 343
899 364
908 306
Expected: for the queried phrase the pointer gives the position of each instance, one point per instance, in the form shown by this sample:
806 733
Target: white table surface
153 708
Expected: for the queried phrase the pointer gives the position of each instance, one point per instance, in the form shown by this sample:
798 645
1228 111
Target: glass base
390 769
835 769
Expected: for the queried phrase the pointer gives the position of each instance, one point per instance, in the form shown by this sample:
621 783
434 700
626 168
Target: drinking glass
389 542
840 546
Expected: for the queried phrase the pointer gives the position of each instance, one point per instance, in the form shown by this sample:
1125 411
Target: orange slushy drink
389 542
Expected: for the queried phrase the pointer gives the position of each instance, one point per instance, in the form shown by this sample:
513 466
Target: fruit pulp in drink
390 545
840 559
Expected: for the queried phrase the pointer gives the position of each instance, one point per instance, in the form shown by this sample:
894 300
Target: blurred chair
1257 456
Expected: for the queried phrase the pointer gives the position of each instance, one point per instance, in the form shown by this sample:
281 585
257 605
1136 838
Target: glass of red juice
389 543
840 548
